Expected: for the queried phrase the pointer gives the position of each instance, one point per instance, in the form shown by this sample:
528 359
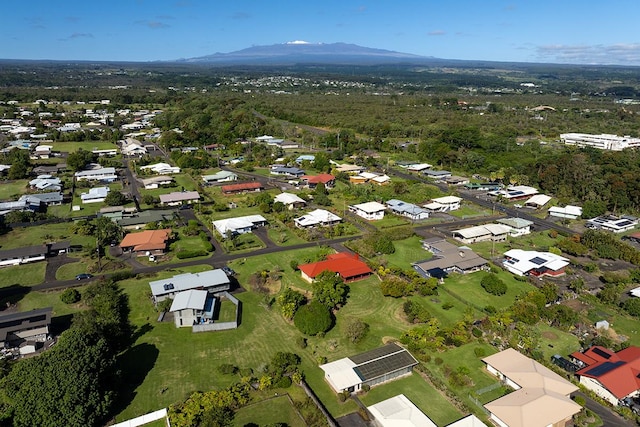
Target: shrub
580 400
476 332
190 254
415 312
479 352
341 397
490 309
70 296
493 285
283 382
301 342
227 369
357 330
447 306
366 387
122 275
313 318
438 361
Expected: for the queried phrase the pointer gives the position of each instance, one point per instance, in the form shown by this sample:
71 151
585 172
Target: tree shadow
59 324
135 364
11 295
140 331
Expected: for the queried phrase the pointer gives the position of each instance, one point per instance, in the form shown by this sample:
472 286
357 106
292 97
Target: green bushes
493 285
191 253
415 312
313 318
70 296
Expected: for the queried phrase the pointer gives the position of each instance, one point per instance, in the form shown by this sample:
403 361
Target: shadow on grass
59 324
11 295
135 364
140 331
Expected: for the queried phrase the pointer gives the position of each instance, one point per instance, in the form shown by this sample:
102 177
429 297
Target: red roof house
348 266
612 376
312 180
243 187
152 241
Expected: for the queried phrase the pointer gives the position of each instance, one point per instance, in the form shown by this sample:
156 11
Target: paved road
609 418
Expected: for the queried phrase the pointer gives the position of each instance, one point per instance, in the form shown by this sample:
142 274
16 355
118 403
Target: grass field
276 409
71 146
33 236
25 274
11 190
407 251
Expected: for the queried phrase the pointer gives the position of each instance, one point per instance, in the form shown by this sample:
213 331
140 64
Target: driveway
609 418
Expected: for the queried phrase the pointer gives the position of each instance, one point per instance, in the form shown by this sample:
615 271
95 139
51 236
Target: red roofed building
612 376
313 180
243 187
348 266
148 242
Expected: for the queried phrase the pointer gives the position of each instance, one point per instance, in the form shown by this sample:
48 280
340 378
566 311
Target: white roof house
517 226
211 280
521 263
537 201
418 167
179 197
468 421
97 174
571 212
156 181
318 217
480 233
239 225
515 192
290 200
444 204
407 209
191 299
222 176
369 210
161 168
399 411
612 223
132 147
95 195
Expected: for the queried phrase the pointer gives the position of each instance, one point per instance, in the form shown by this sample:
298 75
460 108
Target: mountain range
305 53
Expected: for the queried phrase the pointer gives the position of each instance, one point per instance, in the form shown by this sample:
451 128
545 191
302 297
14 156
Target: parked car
83 276
228 271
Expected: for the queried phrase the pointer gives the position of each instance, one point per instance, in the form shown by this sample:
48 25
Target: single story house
399 411
517 226
193 307
161 168
373 367
312 181
287 171
448 258
211 280
515 192
243 187
305 158
483 186
570 212
110 152
349 169
95 195
409 210
444 204
537 201
436 175
222 176
481 233
370 177
291 201
179 197
239 225
28 254
132 147
534 263
46 183
156 182
47 199
468 421
541 397
456 180
348 266
369 210
33 325
138 220
147 242
612 223
97 173
418 167
611 375
318 217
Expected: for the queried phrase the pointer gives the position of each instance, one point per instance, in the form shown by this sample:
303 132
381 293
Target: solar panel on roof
604 368
516 193
168 286
623 223
537 260
386 365
601 353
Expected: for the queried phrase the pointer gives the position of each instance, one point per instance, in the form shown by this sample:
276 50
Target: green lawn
429 400
33 236
282 235
71 270
390 220
34 300
11 190
554 341
71 146
277 409
25 274
407 251
468 210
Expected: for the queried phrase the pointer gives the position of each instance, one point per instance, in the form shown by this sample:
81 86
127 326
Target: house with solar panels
213 281
373 367
613 223
534 263
515 192
411 211
611 375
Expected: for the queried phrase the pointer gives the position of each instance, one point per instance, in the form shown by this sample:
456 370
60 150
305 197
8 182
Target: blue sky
560 31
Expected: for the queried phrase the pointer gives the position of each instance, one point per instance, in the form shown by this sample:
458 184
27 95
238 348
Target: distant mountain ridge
302 52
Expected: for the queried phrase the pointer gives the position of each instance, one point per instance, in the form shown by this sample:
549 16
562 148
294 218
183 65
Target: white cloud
437 33
615 54
298 42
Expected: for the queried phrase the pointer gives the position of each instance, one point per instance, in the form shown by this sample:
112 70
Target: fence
222 326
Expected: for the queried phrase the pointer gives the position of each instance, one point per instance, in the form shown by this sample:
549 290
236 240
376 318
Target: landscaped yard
35 236
407 251
71 146
25 274
12 190
276 409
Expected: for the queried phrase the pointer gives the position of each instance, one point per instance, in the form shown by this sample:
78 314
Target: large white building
603 141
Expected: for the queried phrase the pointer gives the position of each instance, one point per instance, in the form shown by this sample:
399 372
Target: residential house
132 147
111 152
611 375
42 152
409 210
161 169
16 328
418 167
349 169
481 233
46 183
515 192
517 226
569 212
456 180
612 223
291 201
448 258
193 307
213 281
534 263
47 199
222 176
95 195
399 411
291 172
28 254
239 225
179 197
157 182
537 201
373 367
97 173
147 242
20 205
312 181
318 217
348 266
369 210
483 186
444 204
305 158
369 177
541 397
437 175
244 187
138 220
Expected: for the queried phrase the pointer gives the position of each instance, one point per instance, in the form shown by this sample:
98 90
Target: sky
552 31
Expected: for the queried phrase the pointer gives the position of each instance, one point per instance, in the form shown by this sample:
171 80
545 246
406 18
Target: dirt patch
549 335
576 305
